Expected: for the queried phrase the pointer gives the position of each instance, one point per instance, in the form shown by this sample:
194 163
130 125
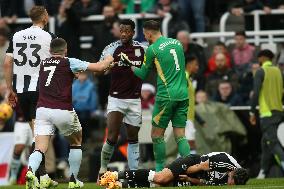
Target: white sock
75 157
151 176
15 166
133 155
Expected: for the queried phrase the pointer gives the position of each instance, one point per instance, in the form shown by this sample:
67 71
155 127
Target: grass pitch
252 184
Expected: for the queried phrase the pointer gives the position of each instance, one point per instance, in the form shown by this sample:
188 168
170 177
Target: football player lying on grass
216 168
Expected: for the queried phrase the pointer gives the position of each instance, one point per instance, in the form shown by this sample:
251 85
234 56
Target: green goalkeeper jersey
168 57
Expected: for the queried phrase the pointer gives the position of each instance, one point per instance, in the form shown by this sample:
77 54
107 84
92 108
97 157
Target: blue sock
133 155
75 157
35 160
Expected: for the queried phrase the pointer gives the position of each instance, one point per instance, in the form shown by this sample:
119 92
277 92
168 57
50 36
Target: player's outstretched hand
12 98
108 59
124 58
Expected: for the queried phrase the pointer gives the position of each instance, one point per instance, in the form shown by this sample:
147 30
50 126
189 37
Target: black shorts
28 102
180 165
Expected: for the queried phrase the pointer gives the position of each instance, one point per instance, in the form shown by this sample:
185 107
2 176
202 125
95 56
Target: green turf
252 184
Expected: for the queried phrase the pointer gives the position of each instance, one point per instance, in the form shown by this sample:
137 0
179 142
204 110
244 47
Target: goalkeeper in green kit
166 55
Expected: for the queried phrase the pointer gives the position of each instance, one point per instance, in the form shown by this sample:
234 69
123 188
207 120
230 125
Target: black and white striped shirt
220 163
28 48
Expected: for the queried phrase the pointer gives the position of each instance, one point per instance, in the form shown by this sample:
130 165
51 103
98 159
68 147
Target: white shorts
47 119
23 133
189 130
131 108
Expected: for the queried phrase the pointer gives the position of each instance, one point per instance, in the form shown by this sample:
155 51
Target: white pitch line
259 187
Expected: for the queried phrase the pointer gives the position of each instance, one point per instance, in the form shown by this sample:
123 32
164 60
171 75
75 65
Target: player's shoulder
113 45
138 44
34 30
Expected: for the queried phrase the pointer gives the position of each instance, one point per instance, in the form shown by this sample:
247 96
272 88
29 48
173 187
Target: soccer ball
6 111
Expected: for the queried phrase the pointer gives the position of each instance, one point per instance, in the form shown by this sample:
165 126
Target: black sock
140 175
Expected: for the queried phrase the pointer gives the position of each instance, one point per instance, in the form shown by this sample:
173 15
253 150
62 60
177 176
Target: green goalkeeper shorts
165 111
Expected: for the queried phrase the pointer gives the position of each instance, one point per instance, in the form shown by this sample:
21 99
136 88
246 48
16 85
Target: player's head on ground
192 64
265 55
151 30
127 30
58 46
238 177
39 15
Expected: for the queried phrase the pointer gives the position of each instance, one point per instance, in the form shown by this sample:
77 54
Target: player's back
170 65
29 47
55 84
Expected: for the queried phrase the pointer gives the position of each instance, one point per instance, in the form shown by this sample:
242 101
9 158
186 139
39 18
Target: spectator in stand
222 72
227 95
104 29
84 99
278 20
193 49
117 6
147 96
176 23
115 30
67 22
98 44
88 7
280 59
21 9
192 11
219 47
246 83
8 11
243 53
238 8
4 43
133 7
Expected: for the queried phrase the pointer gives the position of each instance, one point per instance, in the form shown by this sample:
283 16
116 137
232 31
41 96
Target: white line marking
256 187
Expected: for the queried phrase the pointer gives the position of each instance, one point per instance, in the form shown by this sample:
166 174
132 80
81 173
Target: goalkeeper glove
124 58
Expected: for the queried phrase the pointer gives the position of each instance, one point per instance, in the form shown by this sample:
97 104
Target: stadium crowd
224 77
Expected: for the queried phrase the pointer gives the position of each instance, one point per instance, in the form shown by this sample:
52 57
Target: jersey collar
266 64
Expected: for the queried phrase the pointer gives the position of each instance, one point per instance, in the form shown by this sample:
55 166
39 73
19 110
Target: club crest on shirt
137 52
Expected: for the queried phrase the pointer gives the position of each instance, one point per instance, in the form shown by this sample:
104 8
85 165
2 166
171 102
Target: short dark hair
58 45
190 58
220 43
128 22
240 176
152 25
224 81
242 33
266 53
36 13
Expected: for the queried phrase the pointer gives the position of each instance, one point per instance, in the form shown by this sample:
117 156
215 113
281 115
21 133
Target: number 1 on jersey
173 52
51 70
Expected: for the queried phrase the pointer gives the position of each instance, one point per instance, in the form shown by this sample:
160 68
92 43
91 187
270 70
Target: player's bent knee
19 148
75 139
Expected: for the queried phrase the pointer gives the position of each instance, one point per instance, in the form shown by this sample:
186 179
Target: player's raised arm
147 64
102 65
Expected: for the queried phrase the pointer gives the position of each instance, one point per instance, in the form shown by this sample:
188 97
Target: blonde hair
37 13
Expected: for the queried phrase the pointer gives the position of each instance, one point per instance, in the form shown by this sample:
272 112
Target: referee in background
268 92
